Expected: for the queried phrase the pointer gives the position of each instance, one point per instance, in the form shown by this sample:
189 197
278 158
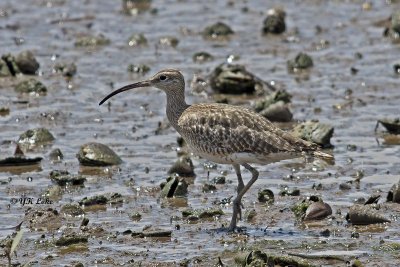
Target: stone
217 30
183 167
27 62
274 22
36 136
232 79
30 86
96 154
315 132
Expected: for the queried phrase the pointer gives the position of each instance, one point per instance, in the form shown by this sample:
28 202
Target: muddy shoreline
86 49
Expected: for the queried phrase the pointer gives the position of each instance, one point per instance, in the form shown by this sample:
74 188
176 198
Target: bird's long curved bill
125 88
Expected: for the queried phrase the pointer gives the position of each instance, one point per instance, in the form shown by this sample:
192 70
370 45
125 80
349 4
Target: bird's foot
231 229
237 206
237 213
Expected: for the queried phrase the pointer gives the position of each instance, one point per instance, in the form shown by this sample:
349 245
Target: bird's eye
163 78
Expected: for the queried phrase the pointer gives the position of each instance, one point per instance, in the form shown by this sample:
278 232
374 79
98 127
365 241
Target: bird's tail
322 155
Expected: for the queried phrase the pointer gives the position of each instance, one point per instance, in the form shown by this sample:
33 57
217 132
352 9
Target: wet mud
62 57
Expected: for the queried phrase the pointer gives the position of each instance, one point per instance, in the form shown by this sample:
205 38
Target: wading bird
225 134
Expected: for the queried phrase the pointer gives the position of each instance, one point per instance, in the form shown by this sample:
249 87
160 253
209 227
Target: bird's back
221 130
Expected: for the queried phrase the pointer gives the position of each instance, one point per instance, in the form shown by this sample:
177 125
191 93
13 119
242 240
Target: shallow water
70 111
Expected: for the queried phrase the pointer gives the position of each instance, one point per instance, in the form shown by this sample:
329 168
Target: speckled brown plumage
222 130
225 133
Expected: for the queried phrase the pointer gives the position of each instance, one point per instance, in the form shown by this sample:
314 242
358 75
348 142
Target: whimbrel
225 134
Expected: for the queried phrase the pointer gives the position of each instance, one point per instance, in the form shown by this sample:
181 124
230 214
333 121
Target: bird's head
171 81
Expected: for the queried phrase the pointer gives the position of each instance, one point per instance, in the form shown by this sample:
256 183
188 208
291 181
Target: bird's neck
176 105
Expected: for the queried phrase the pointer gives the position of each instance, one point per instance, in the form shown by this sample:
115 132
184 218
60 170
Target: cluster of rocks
22 63
391 125
90 40
393 30
37 139
311 208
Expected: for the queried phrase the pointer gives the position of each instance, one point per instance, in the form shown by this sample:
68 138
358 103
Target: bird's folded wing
235 129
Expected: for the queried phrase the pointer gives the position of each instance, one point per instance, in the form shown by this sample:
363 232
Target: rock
301 61
137 40
217 31
392 27
4 111
391 125
250 215
311 208
354 70
325 233
274 22
395 22
85 222
373 199
140 69
66 69
94 200
180 141
183 167
289 192
394 193
209 188
396 68
219 180
70 239
30 86
278 96
351 147
134 7
136 216
4 71
34 137
202 214
91 40
96 154
56 155
27 62
364 214
157 233
315 132
63 178
169 41
43 219
12 66
19 159
174 187
201 57
257 258
317 211
275 107
278 112
266 196
73 210
344 186
232 79
357 263
115 198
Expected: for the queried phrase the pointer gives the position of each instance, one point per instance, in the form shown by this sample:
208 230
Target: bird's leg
240 187
238 199
239 176
253 179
